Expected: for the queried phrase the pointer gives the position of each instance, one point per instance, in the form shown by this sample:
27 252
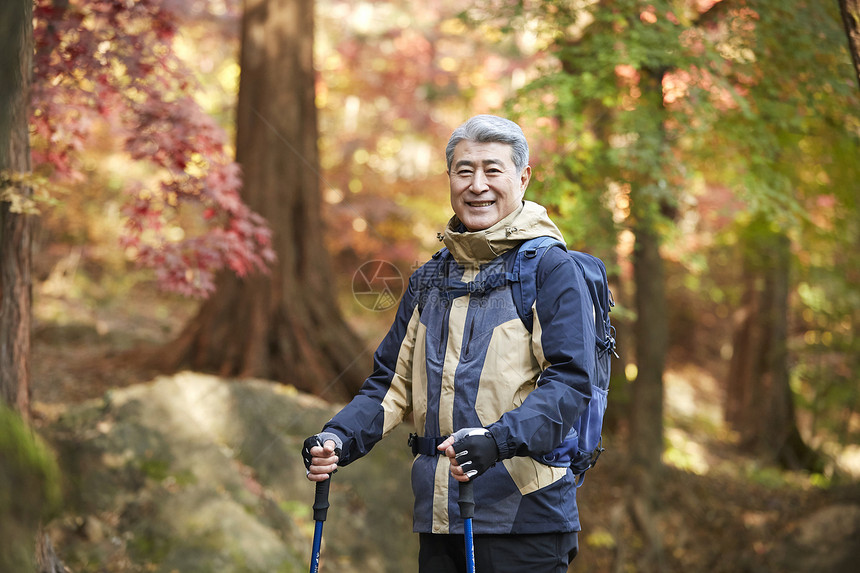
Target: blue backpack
583 444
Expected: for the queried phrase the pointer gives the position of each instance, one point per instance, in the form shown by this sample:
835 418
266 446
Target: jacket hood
478 247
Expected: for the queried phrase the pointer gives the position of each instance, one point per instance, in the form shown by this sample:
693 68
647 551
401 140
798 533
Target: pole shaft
315 555
320 506
470 547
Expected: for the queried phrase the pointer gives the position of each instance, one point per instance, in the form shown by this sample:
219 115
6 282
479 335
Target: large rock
195 473
827 541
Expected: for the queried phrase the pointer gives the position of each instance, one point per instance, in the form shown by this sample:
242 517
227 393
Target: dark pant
539 553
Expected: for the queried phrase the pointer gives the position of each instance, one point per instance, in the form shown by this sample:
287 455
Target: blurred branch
850 10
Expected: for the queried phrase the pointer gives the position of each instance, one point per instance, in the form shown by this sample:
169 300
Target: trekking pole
466 502
320 511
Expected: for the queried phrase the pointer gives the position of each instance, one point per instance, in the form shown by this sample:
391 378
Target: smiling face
485 184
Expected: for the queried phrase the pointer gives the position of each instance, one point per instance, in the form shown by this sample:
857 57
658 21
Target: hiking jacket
470 362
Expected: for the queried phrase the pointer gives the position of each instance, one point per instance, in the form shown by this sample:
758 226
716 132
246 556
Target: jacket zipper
445 308
443 323
471 332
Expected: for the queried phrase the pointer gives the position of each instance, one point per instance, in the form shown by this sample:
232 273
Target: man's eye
464 172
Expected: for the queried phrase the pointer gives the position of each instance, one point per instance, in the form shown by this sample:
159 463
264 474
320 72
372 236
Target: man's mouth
479 203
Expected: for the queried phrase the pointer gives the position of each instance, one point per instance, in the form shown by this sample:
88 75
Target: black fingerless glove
319 440
476 450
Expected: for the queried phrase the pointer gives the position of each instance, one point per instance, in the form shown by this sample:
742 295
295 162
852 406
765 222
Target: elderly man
490 394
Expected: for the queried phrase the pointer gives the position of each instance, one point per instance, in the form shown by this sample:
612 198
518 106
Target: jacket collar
479 247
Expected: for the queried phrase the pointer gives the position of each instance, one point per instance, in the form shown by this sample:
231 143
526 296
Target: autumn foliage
109 59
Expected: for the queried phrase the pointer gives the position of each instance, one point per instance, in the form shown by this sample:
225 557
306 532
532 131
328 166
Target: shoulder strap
526 265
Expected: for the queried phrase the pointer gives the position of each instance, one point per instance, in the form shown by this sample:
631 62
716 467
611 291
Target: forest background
706 151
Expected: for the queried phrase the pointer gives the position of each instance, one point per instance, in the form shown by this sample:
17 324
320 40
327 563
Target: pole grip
321 500
466 501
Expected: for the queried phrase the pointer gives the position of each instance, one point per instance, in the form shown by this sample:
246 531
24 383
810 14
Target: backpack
583 444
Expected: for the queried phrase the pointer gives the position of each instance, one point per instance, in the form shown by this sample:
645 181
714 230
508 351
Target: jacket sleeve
385 397
563 341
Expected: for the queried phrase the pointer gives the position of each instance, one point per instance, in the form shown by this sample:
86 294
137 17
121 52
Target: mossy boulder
197 473
29 490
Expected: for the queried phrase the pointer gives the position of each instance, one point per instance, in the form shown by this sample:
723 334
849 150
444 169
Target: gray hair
491 128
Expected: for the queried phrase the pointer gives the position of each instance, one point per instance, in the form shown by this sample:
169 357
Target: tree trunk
16 243
646 424
651 331
651 328
850 10
759 402
285 326
16 57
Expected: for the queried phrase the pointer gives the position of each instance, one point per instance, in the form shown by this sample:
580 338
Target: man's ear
525 177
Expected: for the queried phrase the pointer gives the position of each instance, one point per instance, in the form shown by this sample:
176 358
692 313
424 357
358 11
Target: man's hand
320 454
472 451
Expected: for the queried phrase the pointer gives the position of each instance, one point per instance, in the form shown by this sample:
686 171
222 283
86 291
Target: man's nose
479 182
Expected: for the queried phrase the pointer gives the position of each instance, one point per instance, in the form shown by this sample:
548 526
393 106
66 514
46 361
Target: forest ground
718 509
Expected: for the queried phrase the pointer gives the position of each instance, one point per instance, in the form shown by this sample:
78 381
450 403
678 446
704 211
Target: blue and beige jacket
470 362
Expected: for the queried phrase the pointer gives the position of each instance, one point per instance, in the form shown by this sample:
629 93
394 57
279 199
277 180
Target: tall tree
34 484
802 122
16 223
650 207
285 325
615 134
638 106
